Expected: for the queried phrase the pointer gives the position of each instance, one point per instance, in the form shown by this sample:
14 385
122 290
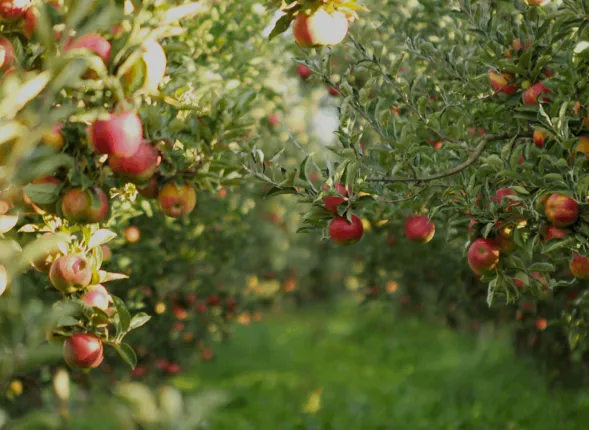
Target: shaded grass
352 370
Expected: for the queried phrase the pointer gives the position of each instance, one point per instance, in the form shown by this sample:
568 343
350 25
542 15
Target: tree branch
478 150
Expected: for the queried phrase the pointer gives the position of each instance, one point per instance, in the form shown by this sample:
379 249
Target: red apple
173 368
320 29
148 71
11 10
333 91
87 207
273 119
132 234
83 351
93 42
419 229
6 53
437 145
207 354
303 71
201 308
530 95
503 194
119 134
162 364
483 256
151 190
579 266
139 371
541 324
561 210
97 296
539 138
552 232
517 46
479 131
391 240
213 300
332 202
502 82
176 200
70 273
582 146
138 168
345 233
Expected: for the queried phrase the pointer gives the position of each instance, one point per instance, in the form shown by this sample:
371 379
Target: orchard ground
341 367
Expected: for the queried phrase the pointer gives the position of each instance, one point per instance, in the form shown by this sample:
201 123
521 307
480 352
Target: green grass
344 370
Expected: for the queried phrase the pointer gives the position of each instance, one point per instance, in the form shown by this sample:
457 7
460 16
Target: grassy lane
338 370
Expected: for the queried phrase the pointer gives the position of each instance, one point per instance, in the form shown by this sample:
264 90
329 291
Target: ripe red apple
11 10
97 296
437 145
83 351
119 134
176 200
70 273
332 202
139 371
173 368
162 364
180 313
303 71
345 233
213 300
530 95
539 138
148 71
320 29
483 256
132 234
273 119
419 229
333 91
579 266
561 210
6 53
502 82
138 168
541 324
479 131
93 42
230 304
552 232
89 206
201 308
502 194
207 354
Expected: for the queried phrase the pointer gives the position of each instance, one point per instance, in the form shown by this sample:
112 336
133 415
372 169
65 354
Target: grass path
343 370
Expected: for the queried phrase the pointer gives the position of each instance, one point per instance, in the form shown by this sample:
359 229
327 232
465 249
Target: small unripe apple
11 10
176 200
303 71
83 351
502 82
483 256
138 168
87 207
346 233
6 53
44 262
93 42
332 202
119 134
561 210
151 190
132 234
54 139
70 273
539 138
320 29
579 266
419 229
146 74
530 96
97 296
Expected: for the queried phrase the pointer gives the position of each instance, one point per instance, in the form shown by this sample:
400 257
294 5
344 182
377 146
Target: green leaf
124 315
275 191
139 320
127 354
101 237
42 194
542 267
281 26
